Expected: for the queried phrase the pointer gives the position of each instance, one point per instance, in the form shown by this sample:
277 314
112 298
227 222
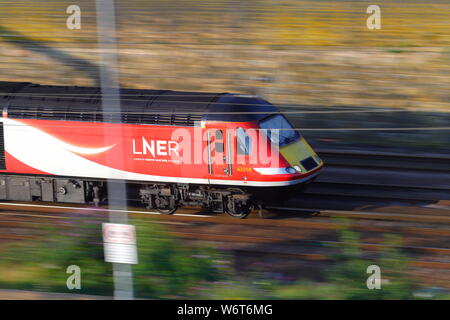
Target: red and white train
225 152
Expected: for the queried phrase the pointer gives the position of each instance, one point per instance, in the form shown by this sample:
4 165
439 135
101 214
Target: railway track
258 239
240 238
193 215
292 226
372 215
352 180
379 191
384 160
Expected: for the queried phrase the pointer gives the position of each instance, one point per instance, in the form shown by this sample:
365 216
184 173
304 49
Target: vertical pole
106 33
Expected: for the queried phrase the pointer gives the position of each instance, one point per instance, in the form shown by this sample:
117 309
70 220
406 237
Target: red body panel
135 152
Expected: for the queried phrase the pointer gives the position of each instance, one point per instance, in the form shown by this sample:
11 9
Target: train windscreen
285 135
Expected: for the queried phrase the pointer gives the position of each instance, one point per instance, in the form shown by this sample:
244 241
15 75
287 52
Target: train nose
301 156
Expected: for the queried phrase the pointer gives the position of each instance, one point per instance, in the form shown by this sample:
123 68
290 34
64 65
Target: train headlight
298 168
290 170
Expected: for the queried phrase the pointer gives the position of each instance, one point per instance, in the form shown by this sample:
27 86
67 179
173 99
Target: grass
166 268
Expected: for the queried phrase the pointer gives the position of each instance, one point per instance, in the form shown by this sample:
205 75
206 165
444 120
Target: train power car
225 152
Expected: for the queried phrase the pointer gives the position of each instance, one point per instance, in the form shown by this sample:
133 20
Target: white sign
119 243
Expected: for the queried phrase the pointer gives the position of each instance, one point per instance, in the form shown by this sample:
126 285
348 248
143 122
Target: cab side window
244 142
219 141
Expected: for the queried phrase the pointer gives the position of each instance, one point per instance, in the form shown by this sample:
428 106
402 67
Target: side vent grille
62 113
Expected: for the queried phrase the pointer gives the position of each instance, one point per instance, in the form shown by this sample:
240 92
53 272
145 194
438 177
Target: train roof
24 100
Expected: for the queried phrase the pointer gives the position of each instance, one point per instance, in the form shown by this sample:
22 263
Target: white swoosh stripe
271 171
84 150
44 152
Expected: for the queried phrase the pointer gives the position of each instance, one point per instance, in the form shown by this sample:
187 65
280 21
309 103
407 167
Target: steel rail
31 209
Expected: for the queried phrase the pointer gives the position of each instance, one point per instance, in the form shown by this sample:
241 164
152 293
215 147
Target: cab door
220 153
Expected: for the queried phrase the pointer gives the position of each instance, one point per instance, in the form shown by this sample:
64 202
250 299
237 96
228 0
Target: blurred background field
295 52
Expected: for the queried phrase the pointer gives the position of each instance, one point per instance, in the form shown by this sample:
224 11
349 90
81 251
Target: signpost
116 251
119 243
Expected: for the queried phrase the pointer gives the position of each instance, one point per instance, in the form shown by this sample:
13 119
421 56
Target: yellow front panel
296 152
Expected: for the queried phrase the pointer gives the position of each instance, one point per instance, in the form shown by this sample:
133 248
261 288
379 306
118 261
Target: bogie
167 198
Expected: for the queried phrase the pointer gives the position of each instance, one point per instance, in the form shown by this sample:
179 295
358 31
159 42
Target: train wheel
166 205
238 204
240 212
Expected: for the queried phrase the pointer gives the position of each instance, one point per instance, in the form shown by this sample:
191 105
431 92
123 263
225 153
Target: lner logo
155 147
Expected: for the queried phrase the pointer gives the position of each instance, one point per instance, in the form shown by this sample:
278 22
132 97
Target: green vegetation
349 275
347 278
168 269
